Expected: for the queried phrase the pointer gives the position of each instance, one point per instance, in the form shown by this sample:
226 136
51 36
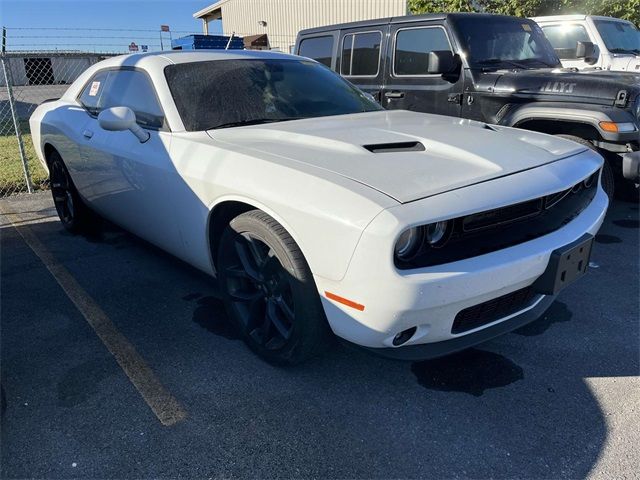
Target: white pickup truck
589 41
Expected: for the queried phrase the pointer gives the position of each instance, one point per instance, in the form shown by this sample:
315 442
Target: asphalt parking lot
84 398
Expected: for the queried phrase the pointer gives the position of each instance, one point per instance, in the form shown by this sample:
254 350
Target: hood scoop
395 147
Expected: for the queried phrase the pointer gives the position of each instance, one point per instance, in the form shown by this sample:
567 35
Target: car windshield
619 37
230 93
491 42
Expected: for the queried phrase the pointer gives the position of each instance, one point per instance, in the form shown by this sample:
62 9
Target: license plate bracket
566 265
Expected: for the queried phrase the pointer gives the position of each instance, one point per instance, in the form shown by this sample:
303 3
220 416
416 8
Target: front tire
74 215
608 180
269 292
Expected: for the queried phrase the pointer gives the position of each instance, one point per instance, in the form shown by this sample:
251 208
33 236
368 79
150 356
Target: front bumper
631 166
438 349
430 298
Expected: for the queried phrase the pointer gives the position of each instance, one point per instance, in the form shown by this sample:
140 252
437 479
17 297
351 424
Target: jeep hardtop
492 68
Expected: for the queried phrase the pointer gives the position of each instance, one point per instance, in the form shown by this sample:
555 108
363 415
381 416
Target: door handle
394 94
87 134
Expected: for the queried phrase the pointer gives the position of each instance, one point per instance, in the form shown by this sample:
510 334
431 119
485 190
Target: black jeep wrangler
492 68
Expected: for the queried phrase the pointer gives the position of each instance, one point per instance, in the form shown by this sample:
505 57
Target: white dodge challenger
408 234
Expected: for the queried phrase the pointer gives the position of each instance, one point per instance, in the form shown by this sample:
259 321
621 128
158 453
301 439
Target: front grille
484 232
500 216
492 310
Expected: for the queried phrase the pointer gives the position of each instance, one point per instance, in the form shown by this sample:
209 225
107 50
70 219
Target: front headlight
409 243
416 240
438 233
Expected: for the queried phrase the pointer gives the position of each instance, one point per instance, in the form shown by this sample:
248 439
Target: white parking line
161 402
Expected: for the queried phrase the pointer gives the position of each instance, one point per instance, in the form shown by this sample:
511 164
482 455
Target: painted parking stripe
161 402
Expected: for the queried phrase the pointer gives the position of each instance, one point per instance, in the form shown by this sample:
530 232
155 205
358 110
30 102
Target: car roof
559 18
403 19
374 22
187 56
156 61
563 18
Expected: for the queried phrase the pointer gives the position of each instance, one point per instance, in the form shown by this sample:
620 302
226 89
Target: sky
83 24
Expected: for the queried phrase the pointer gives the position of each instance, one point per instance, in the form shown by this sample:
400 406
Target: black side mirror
442 62
586 50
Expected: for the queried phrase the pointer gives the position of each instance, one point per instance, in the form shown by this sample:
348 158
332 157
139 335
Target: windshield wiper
253 121
497 61
541 62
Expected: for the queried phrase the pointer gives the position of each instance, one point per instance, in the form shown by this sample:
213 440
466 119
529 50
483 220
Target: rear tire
608 180
72 211
269 291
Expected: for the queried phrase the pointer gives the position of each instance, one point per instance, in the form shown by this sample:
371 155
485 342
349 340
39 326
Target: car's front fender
323 212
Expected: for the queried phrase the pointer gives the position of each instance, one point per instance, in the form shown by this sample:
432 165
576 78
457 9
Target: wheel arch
568 120
561 127
47 149
226 209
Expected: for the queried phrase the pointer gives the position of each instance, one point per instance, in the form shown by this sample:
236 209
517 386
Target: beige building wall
285 18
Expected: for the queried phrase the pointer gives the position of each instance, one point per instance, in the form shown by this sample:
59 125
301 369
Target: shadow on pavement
518 406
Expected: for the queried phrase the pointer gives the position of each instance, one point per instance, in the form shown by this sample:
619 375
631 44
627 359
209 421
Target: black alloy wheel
62 192
269 291
75 216
260 292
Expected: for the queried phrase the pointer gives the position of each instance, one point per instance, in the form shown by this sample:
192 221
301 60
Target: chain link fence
26 80
38 65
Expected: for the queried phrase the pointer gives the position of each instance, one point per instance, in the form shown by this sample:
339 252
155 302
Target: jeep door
360 57
408 85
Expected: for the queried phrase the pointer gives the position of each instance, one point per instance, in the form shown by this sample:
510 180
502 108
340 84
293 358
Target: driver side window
124 88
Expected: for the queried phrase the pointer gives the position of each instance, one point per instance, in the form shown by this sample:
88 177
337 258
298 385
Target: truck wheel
269 292
628 191
608 181
73 213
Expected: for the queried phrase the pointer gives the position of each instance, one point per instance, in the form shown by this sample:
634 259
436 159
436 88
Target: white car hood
624 63
457 152
633 65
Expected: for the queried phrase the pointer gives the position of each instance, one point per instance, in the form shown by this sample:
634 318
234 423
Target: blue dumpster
197 42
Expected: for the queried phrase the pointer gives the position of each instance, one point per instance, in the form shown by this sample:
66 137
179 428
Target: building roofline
210 9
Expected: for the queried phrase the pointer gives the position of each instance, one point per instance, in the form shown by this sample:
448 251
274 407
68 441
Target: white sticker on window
95 86
526 27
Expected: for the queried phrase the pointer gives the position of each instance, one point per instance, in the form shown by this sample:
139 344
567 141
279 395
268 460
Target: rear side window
90 97
361 54
124 88
565 38
318 48
412 49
